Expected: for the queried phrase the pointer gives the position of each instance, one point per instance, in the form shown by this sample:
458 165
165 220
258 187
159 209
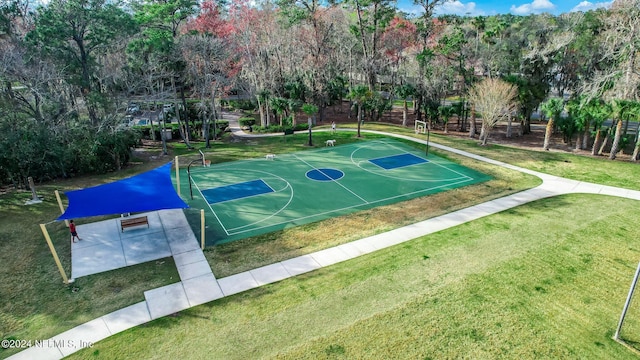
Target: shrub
247 121
222 124
278 128
242 104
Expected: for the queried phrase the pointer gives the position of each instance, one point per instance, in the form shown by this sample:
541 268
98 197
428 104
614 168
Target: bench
125 223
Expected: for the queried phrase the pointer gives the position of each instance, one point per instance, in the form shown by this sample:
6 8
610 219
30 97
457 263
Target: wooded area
71 69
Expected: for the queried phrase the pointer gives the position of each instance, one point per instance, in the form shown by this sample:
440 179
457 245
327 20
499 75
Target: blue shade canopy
149 191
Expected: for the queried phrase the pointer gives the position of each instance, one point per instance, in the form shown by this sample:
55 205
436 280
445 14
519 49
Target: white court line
336 181
210 208
350 207
272 215
434 162
391 176
288 185
246 197
237 231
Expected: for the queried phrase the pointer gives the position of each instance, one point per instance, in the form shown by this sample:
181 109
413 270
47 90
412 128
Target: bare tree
259 38
207 58
494 99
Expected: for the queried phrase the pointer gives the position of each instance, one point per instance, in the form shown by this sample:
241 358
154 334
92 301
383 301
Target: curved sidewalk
93 331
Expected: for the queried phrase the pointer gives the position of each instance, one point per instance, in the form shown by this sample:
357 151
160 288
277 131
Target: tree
210 68
312 28
372 16
454 47
599 111
296 91
404 92
552 108
530 94
73 33
209 55
264 98
581 119
480 24
472 127
161 21
494 99
398 39
446 112
623 110
45 129
279 106
576 50
258 37
620 51
359 95
293 106
426 28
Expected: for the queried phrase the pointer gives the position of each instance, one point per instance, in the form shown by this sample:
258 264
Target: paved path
199 285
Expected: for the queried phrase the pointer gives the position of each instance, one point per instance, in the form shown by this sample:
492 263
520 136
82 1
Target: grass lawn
495 287
400 104
397 298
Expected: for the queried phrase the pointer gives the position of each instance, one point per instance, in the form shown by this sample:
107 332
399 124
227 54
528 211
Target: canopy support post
66 222
177 175
202 229
43 227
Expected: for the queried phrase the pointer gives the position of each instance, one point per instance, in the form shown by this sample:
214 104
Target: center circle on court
324 174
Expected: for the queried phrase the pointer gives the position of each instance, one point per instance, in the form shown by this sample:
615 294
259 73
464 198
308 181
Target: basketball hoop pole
189 176
427 152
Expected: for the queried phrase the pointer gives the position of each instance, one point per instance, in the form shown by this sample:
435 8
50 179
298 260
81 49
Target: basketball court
252 197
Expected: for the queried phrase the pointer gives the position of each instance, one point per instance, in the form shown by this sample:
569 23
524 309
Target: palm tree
405 91
599 112
293 105
446 112
552 108
359 95
279 105
635 112
581 119
622 110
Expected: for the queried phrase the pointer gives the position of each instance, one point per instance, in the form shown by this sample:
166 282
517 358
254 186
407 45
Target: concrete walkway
199 285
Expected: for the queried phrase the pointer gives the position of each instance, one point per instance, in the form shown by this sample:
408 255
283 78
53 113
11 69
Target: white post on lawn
626 304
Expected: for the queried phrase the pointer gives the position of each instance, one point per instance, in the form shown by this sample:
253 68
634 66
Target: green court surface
252 197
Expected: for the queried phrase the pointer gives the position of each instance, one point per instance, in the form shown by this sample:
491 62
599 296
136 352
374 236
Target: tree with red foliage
398 39
210 21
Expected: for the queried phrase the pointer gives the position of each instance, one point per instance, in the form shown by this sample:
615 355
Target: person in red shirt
74 233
